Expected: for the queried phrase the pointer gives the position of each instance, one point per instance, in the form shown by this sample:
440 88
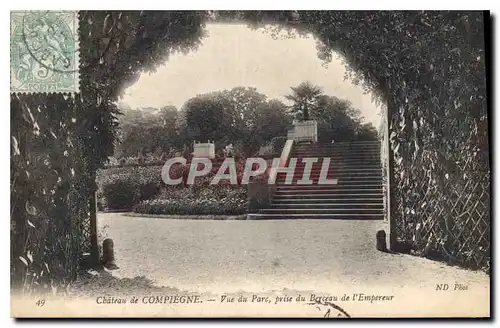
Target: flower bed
195 200
142 190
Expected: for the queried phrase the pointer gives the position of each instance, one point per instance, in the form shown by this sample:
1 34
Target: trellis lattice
448 216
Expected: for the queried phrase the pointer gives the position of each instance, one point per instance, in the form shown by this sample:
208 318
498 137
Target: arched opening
407 58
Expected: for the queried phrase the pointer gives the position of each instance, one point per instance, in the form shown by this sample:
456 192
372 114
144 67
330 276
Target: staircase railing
260 194
285 155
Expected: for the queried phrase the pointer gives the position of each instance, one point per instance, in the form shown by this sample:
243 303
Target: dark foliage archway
428 66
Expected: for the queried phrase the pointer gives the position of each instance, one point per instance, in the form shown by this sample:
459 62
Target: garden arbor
428 67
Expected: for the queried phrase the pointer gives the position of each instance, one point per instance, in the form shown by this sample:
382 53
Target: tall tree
304 97
272 120
204 118
339 120
241 116
367 132
147 130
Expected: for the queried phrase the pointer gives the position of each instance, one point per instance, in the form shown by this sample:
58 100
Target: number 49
40 303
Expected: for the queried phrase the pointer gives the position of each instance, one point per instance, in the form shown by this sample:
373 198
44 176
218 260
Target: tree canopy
147 130
240 116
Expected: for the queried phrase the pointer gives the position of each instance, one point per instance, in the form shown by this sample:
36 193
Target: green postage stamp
44 51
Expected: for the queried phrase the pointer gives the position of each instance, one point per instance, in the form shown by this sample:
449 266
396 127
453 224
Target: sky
234 55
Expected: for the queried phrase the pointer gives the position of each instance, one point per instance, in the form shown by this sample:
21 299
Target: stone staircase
357 195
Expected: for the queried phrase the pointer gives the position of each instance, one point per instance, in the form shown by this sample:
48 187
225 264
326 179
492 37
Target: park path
253 256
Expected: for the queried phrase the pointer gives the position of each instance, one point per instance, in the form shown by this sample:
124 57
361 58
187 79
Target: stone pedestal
204 150
304 131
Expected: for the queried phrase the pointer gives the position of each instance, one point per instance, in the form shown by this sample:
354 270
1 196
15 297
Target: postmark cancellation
44 53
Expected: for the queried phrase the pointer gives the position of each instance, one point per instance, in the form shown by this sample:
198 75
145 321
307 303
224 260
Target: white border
184 5
255 5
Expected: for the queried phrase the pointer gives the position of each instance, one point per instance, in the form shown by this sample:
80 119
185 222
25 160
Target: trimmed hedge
120 195
142 190
122 188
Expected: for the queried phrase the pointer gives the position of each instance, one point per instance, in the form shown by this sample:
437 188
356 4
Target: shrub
149 190
123 187
120 195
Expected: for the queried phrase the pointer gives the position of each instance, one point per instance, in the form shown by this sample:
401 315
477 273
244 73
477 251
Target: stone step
322 210
344 168
334 206
337 162
333 162
315 177
336 149
352 173
329 200
317 216
338 145
326 189
334 155
326 152
341 180
330 175
341 193
298 176
333 149
335 145
350 198
340 183
336 159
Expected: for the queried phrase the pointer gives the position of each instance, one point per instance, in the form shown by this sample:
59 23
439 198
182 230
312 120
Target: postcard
250 164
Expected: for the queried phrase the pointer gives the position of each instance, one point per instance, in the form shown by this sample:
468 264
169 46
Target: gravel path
209 255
